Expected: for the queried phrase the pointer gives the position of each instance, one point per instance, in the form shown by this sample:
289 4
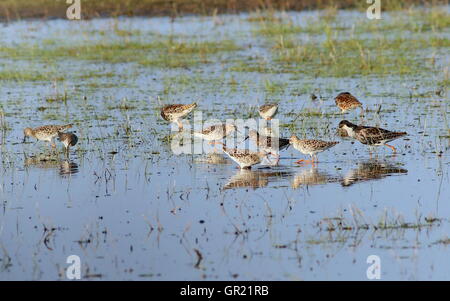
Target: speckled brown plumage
243 157
346 101
46 132
370 135
269 144
310 146
175 112
267 111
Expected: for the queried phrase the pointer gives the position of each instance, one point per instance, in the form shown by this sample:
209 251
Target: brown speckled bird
68 140
267 111
268 144
346 101
45 133
176 112
310 147
243 157
372 136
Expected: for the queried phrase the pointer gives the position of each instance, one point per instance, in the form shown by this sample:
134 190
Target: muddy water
132 209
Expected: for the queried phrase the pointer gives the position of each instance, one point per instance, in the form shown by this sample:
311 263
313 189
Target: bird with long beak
369 135
45 133
269 144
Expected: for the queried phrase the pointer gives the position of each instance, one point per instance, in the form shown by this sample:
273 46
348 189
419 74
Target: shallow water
132 209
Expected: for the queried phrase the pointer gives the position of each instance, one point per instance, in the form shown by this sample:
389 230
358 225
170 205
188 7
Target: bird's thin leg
361 115
213 143
53 147
277 156
303 161
52 143
391 147
180 125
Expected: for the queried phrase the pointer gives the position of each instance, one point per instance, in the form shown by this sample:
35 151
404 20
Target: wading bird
45 133
346 102
269 144
372 136
310 147
176 112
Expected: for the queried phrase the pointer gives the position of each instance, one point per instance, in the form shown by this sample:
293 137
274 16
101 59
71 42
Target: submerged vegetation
162 54
321 47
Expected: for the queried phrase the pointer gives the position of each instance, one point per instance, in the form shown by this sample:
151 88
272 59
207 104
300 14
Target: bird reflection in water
66 167
371 170
213 158
312 176
255 178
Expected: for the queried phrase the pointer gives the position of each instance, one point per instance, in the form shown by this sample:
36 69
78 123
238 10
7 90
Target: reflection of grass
389 221
444 241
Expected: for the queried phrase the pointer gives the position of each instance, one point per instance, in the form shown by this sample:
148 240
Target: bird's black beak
246 138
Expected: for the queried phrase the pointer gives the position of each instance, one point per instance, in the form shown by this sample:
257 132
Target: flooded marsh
133 209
